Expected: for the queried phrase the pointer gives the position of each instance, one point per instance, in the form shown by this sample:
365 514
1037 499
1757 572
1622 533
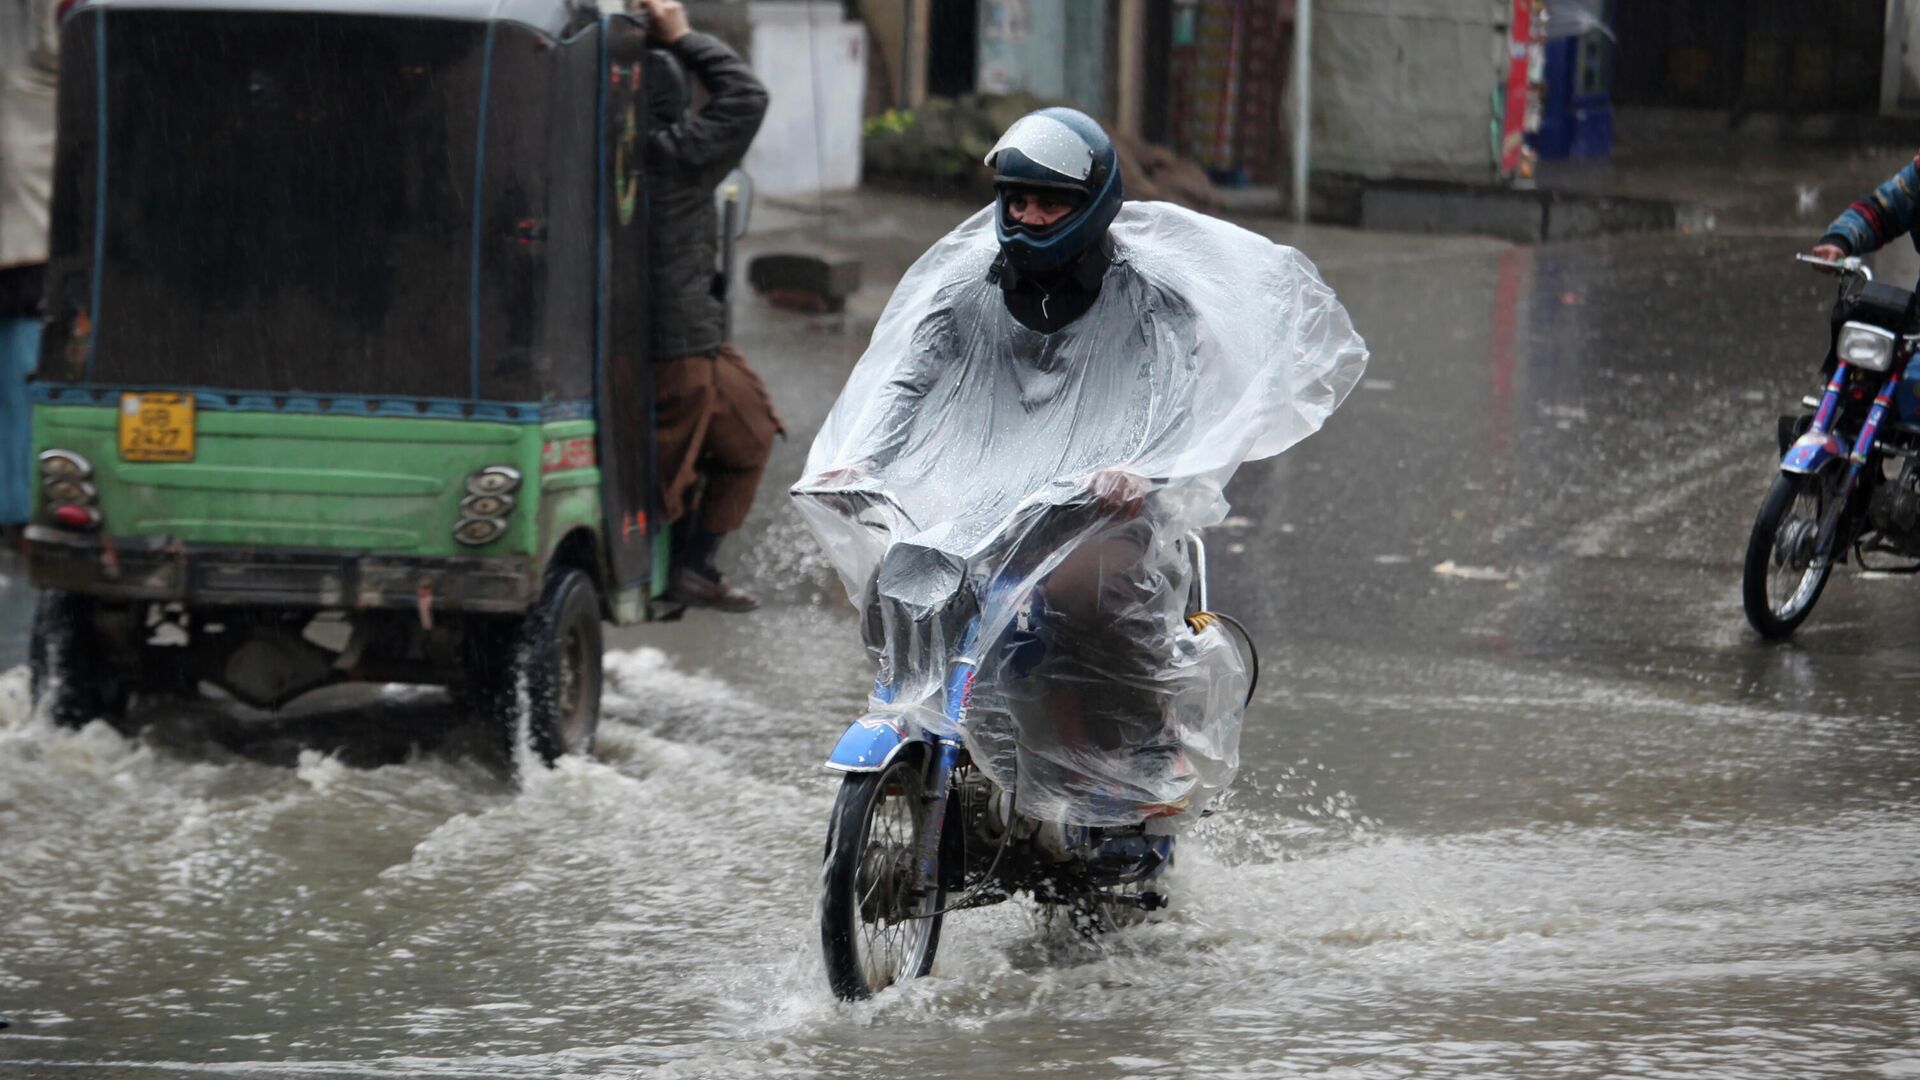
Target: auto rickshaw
344 376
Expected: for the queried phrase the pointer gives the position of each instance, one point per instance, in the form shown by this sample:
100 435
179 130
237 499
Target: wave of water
182 909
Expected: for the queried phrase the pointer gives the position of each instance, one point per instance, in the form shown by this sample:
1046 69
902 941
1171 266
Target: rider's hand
1830 252
1118 492
666 20
840 476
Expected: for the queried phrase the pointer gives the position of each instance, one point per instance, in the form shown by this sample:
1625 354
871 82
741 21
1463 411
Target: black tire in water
1780 582
875 929
68 673
554 653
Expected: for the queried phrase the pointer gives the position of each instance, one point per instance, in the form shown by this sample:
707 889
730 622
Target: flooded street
1522 794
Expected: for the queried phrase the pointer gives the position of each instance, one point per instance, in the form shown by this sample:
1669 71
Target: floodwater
1522 795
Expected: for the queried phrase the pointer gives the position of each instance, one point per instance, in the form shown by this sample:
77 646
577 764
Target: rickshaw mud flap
163 569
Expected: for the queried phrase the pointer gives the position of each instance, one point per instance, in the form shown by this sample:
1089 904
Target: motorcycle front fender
869 744
1812 452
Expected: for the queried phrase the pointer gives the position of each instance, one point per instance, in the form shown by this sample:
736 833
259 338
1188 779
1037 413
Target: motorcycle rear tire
1771 624
852 846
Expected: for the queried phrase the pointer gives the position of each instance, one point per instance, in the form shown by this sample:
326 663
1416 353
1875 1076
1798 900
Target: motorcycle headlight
1868 347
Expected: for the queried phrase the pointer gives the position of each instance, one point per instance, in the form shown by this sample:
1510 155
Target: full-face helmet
1063 150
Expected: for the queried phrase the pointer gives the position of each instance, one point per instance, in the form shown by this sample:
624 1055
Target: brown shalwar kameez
713 418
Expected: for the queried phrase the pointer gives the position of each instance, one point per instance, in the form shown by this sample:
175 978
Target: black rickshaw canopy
554 18
405 199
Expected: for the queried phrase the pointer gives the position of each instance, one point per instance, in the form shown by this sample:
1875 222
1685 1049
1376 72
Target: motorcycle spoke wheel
1783 576
878 928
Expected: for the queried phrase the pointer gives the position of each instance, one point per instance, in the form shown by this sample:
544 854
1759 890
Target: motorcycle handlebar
1039 500
843 493
1849 265
853 503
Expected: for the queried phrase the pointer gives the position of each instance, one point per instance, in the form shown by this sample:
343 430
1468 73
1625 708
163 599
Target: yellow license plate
156 427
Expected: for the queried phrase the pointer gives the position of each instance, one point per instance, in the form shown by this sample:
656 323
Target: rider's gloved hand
839 476
1831 252
840 488
1118 492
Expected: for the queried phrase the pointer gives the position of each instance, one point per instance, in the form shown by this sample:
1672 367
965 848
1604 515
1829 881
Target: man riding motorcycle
1044 402
1873 220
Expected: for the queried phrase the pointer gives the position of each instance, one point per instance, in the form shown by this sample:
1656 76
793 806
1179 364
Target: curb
1519 216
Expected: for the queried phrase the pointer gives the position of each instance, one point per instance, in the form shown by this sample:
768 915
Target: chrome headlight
489 500
1868 347
64 465
477 531
486 506
494 480
78 492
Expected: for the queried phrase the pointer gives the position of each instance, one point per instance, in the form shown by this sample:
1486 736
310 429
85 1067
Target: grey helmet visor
1049 144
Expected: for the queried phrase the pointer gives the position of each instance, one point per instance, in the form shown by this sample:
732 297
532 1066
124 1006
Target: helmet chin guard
1057 149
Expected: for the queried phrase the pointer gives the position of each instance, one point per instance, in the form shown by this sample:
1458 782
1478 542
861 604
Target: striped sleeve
1888 212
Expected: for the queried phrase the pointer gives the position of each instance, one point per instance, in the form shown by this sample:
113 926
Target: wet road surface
1522 795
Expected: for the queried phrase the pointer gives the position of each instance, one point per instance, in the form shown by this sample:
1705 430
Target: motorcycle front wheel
876 927
1782 579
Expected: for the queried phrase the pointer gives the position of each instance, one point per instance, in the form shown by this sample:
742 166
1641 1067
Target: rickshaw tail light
484 510
66 481
64 465
494 480
477 531
487 506
76 517
71 491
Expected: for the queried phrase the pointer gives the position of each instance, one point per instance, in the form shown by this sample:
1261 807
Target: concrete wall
1020 44
13 32
1083 51
1054 49
1900 73
814 64
23 23
887 36
1404 87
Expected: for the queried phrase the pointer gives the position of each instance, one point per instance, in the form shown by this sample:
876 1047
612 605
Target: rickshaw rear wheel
546 669
68 672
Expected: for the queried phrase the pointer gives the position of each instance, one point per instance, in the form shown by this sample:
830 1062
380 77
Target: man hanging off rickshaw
716 422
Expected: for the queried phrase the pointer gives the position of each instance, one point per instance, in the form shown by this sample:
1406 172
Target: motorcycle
919 830
1014 514
1850 471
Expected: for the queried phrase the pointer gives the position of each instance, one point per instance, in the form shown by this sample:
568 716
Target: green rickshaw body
379 249
346 320
331 511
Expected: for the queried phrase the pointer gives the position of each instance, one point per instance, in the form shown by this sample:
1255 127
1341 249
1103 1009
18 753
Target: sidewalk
886 230
1741 186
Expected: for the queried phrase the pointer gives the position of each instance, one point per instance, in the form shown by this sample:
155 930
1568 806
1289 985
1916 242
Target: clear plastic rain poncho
951 482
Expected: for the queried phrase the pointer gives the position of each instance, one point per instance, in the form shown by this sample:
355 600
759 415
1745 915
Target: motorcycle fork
1857 460
946 756
1830 402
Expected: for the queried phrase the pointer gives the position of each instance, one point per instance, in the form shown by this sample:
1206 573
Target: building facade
1400 88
